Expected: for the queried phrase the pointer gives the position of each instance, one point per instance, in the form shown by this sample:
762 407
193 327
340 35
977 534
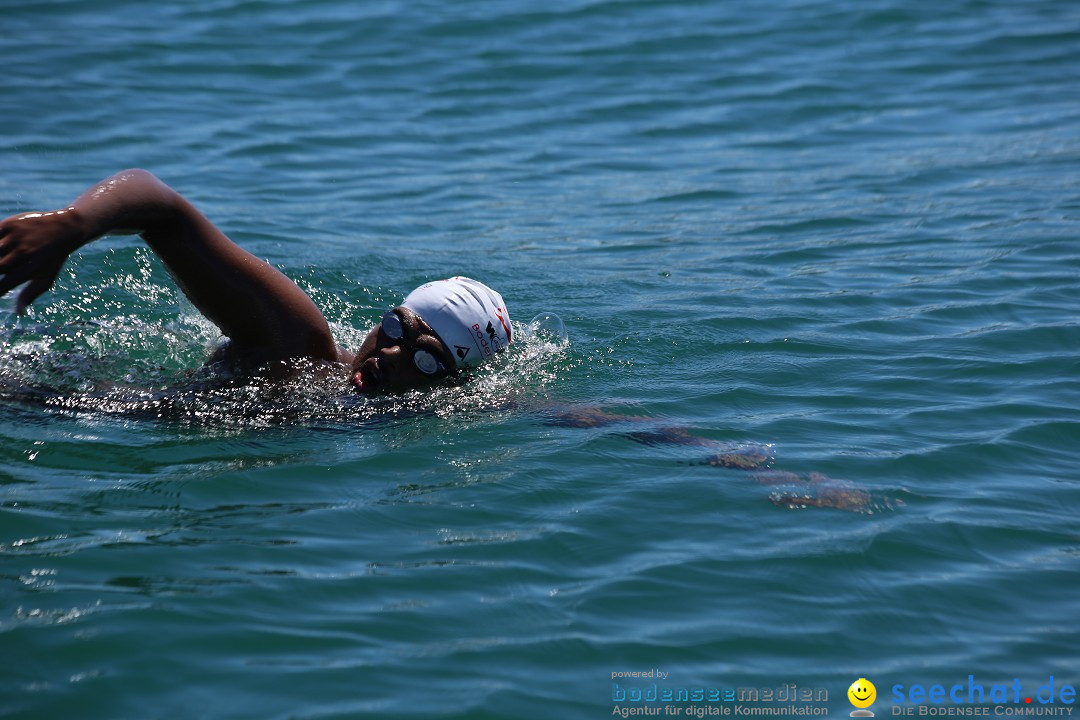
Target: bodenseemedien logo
862 694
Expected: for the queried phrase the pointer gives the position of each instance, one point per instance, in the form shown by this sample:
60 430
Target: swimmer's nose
390 352
391 357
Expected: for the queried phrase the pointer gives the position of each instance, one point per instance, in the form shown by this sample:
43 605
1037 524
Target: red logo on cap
499 314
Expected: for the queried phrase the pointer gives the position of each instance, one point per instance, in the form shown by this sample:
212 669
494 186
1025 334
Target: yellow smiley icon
862 693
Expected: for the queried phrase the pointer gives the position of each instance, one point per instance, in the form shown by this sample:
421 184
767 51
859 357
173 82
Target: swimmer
440 328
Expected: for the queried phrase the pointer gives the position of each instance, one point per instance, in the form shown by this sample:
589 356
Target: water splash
139 369
548 329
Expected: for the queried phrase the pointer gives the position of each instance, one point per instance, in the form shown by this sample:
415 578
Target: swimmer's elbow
137 172
147 187
132 180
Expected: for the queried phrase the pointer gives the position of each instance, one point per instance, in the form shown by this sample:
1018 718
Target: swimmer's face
385 364
862 693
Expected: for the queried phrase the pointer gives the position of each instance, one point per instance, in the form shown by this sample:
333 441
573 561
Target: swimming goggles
425 362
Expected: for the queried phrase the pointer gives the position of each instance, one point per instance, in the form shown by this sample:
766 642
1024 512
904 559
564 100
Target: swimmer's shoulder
231 359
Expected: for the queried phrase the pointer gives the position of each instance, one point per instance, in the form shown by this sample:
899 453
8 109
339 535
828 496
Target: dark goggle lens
425 362
392 327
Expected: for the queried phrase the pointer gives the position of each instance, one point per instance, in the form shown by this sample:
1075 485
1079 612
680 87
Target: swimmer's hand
265 314
33 248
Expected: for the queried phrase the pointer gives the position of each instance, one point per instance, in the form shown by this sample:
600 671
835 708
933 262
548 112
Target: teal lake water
843 231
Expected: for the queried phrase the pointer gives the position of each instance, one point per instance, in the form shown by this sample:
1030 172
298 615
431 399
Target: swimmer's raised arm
265 314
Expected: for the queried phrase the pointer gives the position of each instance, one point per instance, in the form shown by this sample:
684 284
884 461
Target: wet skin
385 364
266 317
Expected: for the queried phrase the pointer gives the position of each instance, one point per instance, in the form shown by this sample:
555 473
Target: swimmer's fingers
37 281
34 289
10 258
11 276
17 267
33 248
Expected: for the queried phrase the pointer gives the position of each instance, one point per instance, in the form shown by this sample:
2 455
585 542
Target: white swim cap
468 316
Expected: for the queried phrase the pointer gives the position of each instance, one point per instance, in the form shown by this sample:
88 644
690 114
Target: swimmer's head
440 326
469 317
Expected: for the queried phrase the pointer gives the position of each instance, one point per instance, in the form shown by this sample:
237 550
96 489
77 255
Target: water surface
846 232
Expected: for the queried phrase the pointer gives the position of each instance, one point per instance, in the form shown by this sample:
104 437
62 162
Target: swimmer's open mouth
368 377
